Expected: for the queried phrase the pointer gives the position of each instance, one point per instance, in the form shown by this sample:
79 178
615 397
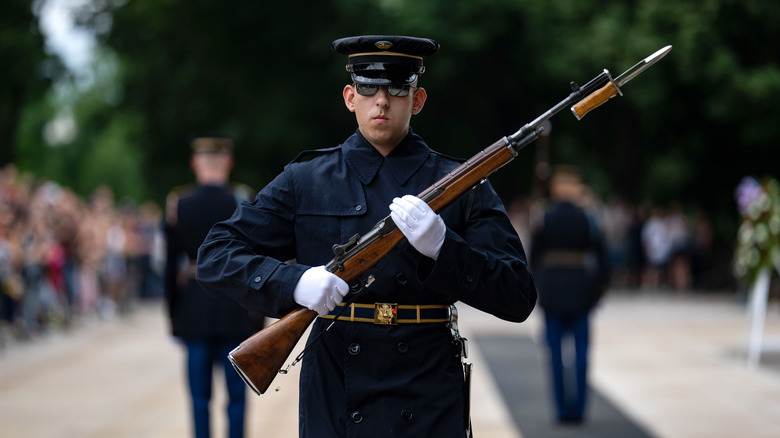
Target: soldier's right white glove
423 228
320 290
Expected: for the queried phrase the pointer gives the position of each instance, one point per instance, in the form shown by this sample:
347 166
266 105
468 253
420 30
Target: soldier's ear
419 97
349 97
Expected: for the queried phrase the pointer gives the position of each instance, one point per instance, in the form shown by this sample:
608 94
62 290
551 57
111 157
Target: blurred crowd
64 259
657 247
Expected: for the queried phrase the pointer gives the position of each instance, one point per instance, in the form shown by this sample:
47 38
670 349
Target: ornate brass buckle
386 313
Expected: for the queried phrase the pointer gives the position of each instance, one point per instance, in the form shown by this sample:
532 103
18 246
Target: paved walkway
673 364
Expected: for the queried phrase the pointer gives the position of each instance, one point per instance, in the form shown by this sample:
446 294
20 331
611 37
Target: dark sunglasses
393 90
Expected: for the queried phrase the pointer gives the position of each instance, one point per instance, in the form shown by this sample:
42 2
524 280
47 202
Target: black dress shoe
570 421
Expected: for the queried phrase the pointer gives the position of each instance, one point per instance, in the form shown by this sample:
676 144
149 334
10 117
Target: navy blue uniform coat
193 313
569 290
362 379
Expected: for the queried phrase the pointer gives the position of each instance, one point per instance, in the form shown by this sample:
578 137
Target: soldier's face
384 119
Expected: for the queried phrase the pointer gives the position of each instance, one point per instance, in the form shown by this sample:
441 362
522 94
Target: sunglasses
393 90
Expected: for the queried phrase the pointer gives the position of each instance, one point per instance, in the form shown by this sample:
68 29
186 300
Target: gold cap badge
383 45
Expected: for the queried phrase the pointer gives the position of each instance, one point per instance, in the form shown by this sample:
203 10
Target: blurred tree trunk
12 104
23 76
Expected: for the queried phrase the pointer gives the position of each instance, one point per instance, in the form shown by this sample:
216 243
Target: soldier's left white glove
423 228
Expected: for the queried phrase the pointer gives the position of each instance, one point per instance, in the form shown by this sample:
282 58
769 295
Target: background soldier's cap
385 59
212 144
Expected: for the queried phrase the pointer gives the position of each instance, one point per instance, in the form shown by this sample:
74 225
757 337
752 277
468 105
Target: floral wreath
758 237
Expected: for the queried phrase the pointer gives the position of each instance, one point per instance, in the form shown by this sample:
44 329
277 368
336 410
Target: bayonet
612 88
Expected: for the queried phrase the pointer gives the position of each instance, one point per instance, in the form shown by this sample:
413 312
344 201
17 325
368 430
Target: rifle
259 358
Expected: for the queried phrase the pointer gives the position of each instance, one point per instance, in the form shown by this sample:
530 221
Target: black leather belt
563 258
391 313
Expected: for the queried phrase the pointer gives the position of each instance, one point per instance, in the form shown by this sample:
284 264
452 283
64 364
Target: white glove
319 290
423 228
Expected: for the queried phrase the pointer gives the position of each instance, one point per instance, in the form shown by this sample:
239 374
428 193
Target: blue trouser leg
199 369
553 335
236 389
581 328
569 381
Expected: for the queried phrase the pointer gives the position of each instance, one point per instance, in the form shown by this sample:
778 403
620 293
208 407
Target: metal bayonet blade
641 66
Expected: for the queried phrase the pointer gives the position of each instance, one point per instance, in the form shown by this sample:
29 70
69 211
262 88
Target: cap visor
383 78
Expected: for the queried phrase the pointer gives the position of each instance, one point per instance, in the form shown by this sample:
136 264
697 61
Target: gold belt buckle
386 313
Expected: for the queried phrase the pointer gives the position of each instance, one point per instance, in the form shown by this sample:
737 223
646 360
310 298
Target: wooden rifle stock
259 358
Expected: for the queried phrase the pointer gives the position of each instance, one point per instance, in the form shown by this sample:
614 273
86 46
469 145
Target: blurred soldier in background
570 265
209 327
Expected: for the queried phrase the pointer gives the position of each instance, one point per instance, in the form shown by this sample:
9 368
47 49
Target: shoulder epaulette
172 202
310 153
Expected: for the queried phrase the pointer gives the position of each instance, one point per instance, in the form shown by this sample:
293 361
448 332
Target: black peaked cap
385 59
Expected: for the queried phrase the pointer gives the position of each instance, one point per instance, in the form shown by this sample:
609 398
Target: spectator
657 247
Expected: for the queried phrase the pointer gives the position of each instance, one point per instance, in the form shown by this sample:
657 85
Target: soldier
208 327
571 268
388 366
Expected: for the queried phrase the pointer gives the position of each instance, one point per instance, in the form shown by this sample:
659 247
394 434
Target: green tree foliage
253 71
688 129
26 70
